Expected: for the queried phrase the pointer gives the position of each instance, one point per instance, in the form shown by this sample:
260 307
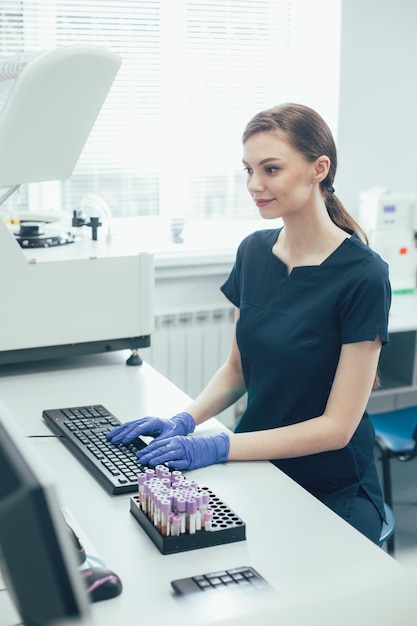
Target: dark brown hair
310 135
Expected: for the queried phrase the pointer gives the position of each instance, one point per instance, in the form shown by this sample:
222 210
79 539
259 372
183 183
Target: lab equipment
241 579
390 222
84 298
49 103
37 557
90 297
83 431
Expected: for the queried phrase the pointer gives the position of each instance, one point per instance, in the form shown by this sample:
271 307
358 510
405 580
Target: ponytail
341 217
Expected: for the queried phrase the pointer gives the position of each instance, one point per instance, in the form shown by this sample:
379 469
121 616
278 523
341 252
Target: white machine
390 222
81 298
84 297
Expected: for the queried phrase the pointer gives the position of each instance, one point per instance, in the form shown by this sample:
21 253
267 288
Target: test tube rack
226 527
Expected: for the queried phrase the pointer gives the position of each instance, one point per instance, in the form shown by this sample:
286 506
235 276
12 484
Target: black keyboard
83 430
236 579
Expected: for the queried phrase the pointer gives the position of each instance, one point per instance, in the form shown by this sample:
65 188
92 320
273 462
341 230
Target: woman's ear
321 169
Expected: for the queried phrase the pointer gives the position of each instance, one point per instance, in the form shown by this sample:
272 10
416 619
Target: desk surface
304 550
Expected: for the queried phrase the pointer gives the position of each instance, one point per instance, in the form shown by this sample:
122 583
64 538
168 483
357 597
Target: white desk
305 551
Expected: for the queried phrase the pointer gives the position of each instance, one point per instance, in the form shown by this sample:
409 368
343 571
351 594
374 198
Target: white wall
377 135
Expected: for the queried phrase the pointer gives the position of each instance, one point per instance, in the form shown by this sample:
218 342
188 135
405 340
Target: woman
312 302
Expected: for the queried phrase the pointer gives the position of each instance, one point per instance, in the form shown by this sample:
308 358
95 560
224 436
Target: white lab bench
307 553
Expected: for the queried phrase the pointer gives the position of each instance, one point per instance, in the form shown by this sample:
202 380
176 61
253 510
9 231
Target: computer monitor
37 560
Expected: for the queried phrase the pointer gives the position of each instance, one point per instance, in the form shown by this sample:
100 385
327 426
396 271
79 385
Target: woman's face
280 179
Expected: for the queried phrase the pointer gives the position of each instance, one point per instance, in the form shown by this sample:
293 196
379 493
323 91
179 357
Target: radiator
188 347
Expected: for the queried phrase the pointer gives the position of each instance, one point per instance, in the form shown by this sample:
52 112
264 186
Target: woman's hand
186 453
158 427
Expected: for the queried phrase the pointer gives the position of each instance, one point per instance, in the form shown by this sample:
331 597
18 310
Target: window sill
207 247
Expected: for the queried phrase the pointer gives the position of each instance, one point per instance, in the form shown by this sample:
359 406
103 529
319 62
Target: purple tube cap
191 505
165 506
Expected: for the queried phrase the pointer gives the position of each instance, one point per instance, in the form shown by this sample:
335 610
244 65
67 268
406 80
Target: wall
377 132
377 136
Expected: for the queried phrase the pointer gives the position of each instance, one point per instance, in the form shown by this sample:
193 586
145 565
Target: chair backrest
388 527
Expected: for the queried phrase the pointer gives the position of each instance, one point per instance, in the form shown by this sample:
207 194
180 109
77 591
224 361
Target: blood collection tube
181 508
159 469
175 526
141 480
145 496
166 474
156 509
191 515
165 508
208 519
166 481
206 499
199 501
151 499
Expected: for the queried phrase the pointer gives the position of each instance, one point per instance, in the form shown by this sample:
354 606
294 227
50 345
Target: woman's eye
248 170
271 169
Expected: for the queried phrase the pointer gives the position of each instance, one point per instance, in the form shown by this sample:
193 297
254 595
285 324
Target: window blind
167 141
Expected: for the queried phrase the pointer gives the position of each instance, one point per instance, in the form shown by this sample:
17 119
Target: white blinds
194 71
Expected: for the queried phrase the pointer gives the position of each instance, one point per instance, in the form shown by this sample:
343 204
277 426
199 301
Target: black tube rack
226 526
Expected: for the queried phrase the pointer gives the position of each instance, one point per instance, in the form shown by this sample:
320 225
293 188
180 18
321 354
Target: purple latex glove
158 427
186 452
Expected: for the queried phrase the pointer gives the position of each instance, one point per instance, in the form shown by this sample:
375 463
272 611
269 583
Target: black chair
396 437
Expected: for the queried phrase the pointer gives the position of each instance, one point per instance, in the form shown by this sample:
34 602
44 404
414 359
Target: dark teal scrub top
290 332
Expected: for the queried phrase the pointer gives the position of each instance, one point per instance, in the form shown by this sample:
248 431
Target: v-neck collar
299 268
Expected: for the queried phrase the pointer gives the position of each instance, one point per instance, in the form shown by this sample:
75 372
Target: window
167 141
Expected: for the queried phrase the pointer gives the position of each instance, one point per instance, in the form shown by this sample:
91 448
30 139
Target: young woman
312 302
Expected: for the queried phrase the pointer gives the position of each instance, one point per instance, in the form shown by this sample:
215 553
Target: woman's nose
254 183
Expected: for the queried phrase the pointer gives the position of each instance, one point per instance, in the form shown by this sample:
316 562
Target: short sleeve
365 309
232 287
